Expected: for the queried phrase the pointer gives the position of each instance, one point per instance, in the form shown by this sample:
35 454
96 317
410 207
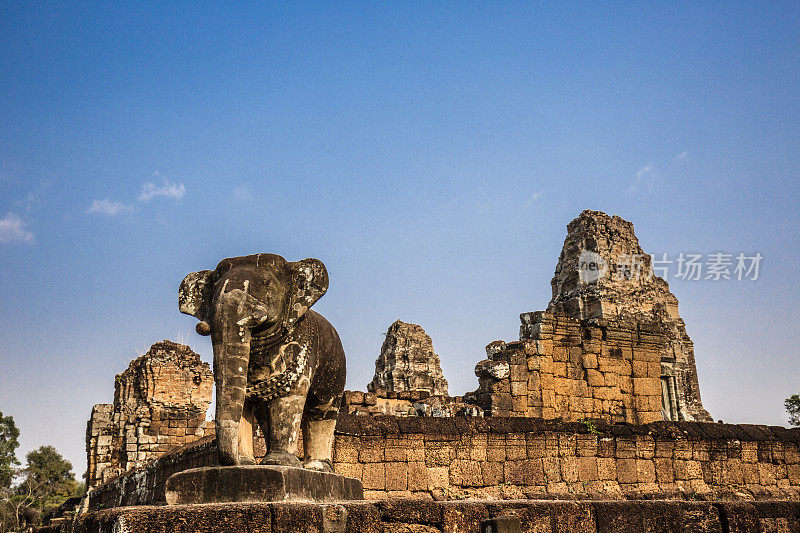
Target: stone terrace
512 458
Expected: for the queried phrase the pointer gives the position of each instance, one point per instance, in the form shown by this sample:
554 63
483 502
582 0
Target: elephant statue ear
194 296
309 283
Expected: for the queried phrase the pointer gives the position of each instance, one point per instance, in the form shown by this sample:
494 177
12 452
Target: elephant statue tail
281 383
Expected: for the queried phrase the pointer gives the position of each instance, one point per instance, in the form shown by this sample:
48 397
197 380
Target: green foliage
45 482
591 426
48 479
9 442
79 490
792 404
47 465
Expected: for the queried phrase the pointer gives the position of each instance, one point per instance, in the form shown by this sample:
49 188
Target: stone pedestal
259 483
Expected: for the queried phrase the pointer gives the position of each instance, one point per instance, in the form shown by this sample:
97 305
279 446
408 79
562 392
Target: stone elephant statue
275 360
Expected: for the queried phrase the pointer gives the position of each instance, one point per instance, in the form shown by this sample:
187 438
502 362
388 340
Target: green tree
48 479
792 404
45 482
9 442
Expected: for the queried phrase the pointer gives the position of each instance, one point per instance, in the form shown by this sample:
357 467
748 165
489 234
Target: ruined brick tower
407 363
626 288
160 402
610 345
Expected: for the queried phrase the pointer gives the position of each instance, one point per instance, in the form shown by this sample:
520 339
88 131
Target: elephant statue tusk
203 328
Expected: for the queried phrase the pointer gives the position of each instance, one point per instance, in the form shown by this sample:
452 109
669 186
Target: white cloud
150 190
109 207
533 197
242 194
642 172
12 229
37 197
683 156
644 177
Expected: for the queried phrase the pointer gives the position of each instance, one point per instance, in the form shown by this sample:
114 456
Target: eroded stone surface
407 363
224 484
625 289
587 516
514 458
610 345
160 402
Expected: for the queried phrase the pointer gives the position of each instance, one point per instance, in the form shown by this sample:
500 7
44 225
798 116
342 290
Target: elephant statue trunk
275 361
231 342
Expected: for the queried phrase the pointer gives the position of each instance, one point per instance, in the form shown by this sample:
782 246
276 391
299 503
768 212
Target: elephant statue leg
246 434
280 422
319 423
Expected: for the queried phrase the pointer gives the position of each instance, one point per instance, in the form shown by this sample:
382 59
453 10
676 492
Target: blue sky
430 154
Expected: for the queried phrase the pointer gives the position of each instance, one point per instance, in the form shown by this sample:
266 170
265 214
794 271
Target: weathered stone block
502 524
586 445
354 470
749 452
645 471
587 469
345 449
552 470
396 449
626 448
496 448
626 471
792 454
439 453
374 476
606 469
396 475
766 473
647 516
594 378
466 473
417 476
372 450
259 484
438 477
519 388
463 517
606 447
519 405
567 444
569 469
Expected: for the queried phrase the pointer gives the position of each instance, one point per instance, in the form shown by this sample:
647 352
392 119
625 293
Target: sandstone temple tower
160 402
611 344
407 363
626 288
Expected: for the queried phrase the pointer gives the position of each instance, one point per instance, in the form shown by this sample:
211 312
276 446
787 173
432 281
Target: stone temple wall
414 516
416 403
160 402
574 370
528 458
515 458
